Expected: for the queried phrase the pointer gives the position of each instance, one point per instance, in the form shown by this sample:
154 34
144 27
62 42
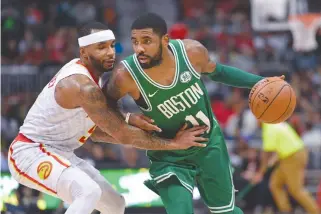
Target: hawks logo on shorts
44 170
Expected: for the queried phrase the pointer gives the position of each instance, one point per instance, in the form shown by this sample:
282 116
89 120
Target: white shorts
37 167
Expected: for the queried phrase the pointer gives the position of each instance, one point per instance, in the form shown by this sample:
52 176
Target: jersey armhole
131 72
188 63
62 78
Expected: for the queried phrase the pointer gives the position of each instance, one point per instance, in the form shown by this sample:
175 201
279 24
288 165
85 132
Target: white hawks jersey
50 124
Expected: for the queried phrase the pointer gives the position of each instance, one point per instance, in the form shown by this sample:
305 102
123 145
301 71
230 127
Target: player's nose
140 49
110 52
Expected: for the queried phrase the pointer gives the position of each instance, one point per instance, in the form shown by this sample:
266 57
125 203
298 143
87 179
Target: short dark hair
151 20
87 29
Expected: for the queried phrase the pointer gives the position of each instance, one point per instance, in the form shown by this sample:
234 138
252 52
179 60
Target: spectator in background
259 195
319 195
84 12
222 110
56 46
312 140
10 53
26 201
285 142
242 124
26 42
9 123
35 56
4 155
33 16
178 31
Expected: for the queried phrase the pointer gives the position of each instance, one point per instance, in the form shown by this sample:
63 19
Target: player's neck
163 73
168 60
94 73
168 57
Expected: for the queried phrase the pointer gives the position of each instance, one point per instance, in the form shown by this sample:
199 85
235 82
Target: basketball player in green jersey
164 78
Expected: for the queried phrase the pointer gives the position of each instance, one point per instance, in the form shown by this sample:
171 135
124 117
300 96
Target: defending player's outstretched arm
99 136
79 91
121 84
198 56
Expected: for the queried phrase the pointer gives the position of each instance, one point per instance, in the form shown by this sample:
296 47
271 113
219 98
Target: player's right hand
187 138
143 122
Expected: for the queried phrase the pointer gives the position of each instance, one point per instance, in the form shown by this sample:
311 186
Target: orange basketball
272 100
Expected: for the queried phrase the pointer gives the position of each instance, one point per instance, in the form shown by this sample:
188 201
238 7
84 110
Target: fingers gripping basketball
272 100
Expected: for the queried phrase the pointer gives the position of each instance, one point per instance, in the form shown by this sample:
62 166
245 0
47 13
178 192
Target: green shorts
209 169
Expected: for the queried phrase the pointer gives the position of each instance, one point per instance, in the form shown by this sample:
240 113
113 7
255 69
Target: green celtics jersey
185 100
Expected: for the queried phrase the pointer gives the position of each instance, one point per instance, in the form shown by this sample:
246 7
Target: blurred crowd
43 34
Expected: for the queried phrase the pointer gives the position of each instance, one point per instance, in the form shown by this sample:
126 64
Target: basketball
272 100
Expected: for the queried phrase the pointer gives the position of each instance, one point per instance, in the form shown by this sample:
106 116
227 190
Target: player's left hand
143 122
257 178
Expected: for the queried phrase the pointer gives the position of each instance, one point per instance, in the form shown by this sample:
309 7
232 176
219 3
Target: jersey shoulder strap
182 55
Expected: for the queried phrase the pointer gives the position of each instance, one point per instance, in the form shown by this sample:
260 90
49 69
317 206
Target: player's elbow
94 138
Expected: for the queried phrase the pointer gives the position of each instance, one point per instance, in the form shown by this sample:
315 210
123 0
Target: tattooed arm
79 91
114 93
120 84
99 136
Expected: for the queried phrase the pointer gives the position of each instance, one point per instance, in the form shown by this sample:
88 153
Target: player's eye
135 42
148 41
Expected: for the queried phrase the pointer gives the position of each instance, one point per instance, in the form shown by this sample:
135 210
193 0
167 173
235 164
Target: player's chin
108 67
144 60
145 65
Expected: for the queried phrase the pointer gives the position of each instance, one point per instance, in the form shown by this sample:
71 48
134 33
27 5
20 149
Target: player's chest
178 100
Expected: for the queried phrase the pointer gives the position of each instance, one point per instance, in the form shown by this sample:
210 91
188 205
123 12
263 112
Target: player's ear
165 39
83 53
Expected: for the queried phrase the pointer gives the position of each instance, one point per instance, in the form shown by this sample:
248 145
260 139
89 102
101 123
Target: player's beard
99 66
154 61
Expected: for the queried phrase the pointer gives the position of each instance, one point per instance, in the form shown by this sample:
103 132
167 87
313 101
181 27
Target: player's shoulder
74 84
70 90
75 72
73 76
74 65
121 76
196 52
120 83
194 49
190 44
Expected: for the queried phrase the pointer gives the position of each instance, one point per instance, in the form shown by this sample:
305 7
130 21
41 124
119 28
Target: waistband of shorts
21 137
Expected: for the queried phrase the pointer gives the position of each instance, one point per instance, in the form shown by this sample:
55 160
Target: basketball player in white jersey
70 109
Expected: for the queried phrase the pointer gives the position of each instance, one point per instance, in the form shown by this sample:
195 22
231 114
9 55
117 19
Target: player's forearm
151 143
112 122
273 160
234 77
103 137
143 140
264 162
146 141
126 134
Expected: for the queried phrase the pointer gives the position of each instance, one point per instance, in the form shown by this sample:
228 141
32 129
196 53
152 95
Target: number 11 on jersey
201 116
